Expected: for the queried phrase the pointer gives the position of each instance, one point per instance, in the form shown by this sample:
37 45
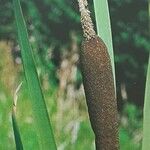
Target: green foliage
130 37
131 128
125 138
42 122
6 22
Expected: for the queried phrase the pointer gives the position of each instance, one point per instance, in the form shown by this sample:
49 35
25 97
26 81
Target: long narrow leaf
42 121
146 120
104 27
19 145
18 141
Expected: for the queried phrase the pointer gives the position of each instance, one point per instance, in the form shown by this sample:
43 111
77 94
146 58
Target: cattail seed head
100 93
98 85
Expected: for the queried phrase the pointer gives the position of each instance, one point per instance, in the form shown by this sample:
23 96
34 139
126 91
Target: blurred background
55 34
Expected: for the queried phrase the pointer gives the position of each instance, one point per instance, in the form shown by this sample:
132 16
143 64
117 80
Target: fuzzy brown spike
100 93
98 85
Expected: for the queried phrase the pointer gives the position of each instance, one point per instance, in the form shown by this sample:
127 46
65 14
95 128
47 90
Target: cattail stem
99 85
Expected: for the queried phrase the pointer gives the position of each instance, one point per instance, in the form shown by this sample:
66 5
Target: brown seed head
100 93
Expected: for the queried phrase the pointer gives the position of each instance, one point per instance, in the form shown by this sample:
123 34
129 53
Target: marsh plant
98 73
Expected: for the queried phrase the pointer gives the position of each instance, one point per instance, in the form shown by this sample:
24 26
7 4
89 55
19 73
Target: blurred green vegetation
55 35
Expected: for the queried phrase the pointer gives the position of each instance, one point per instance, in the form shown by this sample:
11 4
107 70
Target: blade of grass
18 141
103 27
19 145
146 113
146 120
40 113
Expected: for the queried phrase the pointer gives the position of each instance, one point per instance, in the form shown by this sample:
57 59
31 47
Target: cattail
98 85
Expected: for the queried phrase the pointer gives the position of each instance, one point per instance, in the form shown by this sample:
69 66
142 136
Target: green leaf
146 117
19 145
104 27
146 120
40 113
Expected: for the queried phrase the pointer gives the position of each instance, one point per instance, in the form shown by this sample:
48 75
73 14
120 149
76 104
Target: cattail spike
85 3
98 85
86 21
100 93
